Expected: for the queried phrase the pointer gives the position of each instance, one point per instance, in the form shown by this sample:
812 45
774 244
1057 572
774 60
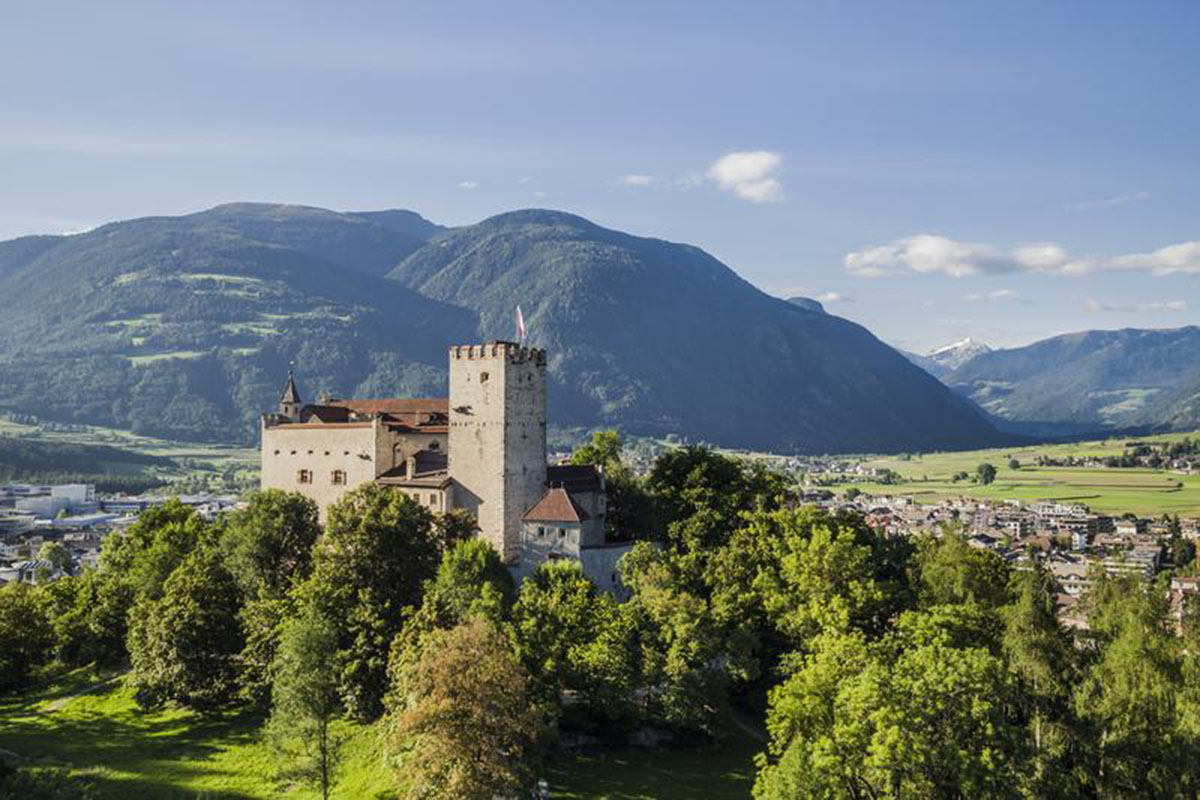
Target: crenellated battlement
514 352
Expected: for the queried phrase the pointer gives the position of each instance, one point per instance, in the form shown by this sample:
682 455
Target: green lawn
1142 491
175 755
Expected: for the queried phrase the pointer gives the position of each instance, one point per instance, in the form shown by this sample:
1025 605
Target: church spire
289 401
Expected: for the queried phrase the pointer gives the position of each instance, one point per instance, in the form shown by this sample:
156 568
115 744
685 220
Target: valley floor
1146 492
89 724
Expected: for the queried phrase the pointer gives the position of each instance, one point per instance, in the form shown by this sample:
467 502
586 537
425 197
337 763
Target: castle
483 449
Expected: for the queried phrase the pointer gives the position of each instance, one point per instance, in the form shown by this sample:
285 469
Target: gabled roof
430 469
574 477
420 415
556 505
398 406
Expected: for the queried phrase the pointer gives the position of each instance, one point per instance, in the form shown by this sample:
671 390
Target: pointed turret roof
290 395
556 505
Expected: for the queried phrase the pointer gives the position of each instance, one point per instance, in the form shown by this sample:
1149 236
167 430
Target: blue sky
1001 170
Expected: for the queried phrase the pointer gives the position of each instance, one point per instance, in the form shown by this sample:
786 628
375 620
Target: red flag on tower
520 325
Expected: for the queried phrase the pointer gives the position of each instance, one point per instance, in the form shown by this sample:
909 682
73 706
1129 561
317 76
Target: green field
99 734
206 462
1140 491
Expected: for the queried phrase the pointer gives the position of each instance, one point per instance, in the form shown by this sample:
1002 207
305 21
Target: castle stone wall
352 448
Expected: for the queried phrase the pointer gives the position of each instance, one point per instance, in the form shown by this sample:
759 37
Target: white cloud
468 185
1136 308
927 253
638 180
832 297
524 179
749 174
1109 202
1182 258
998 294
539 194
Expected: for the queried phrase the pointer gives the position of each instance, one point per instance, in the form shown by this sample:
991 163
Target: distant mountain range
944 360
185 326
1080 382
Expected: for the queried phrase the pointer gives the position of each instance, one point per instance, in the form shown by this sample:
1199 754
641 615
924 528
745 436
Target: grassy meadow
90 725
206 463
1141 491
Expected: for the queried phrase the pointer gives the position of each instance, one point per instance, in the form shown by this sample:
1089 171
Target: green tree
154 546
986 473
269 542
89 615
268 548
26 637
604 450
454 526
680 642
701 495
58 555
183 647
1043 658
305 702
471 581
630 509
820 573
470 729
1013 464
920 713
948 570
1130 694
378 549
570 638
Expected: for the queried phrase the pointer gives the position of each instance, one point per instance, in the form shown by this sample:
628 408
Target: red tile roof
397 405
556 505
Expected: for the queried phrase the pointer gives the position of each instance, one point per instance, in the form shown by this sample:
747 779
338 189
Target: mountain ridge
183 327
627 345
1127 377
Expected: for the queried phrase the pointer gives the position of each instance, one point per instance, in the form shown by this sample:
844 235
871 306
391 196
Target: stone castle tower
497 436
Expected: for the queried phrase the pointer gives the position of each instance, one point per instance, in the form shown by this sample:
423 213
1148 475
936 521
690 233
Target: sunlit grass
1140 491
102 735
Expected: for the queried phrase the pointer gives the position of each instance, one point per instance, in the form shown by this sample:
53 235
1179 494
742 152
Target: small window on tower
339 476
483 377
304 476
